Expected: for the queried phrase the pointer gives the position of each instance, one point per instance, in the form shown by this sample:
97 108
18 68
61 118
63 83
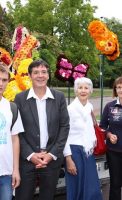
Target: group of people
47 133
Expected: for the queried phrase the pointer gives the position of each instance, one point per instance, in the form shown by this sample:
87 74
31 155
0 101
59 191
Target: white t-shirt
6 150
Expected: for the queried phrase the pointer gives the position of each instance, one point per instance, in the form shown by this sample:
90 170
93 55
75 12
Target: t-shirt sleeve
18 126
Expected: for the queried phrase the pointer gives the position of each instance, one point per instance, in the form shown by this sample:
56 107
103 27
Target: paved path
97 103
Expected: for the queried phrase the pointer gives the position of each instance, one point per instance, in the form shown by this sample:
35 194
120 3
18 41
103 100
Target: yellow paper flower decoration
11 90
22 78
19 79
23 81
23 67
18 82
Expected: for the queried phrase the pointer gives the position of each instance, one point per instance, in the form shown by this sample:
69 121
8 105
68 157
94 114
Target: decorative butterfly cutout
67 72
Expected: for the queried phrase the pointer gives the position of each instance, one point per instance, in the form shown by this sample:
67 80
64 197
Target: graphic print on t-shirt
3 134
116 113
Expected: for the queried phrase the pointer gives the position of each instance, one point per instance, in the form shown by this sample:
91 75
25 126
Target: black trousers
114 160
47 180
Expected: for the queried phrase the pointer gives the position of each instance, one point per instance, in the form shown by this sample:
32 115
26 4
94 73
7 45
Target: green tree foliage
15 11
72 22
35 15
66 19
113 69
50 49
4 32
60 26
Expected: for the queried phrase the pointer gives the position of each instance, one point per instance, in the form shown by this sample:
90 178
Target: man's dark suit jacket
57 122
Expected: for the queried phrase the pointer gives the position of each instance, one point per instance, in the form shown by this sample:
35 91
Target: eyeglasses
118 88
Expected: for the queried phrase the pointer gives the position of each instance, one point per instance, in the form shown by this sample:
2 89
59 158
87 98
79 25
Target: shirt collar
47 95
117 101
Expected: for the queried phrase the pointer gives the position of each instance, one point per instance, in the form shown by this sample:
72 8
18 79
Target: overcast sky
3 2
106 8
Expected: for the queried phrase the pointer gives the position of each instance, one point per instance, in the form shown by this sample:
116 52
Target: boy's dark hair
4 69
116 82
37 63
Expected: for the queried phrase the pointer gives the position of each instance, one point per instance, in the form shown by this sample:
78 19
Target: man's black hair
37 63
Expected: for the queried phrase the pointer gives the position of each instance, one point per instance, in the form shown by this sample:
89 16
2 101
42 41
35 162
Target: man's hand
37 159
15 179
46 158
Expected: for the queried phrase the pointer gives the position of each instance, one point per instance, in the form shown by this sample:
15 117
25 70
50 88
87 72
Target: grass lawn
96 92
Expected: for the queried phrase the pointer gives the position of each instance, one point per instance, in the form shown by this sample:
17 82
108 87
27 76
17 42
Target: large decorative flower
80 70
19 81
11 90
67 72
20 34
106 41
64 68
25 50
23 67
22 77
24 44
5 57
98 30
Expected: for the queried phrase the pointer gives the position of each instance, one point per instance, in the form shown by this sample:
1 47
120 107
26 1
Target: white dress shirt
41 108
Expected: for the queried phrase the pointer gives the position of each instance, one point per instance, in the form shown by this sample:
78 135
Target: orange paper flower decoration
24 50
5 57
105 40
97 30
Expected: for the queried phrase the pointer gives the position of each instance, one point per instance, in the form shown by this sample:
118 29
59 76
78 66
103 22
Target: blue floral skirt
85 185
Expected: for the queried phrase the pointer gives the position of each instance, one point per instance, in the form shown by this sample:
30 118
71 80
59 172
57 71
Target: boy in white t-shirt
9 142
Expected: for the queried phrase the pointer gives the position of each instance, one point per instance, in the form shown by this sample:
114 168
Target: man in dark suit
46 124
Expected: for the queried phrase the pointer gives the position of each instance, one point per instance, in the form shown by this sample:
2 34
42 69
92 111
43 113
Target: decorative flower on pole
67 72
80 70
106 41
64 68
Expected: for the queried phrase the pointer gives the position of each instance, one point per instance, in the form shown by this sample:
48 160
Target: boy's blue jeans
6 187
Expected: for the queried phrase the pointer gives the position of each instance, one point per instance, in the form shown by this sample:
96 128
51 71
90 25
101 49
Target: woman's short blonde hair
81 80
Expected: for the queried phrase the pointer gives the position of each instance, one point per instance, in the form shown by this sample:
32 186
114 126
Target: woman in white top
81 175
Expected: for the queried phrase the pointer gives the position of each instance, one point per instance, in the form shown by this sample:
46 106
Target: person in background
111 121
82 181
9 142
46 123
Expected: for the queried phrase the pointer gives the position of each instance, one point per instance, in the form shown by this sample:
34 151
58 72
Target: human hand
112 137
37 159
71 167
46 158
15 179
